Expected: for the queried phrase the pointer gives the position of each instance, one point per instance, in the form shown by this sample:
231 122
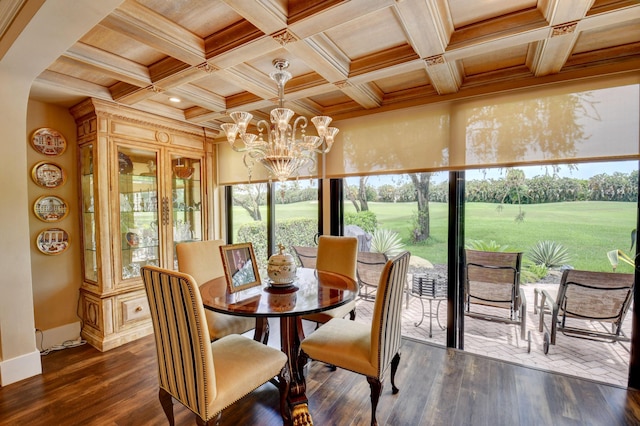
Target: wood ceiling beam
306 108
429 30
146 26
80 87
129 95
267 15
445 77
201 115
244 53
548 56
114 66
322 55
391 71
513 26
251 80
610 18
366 95
558 12
341 13
200 97
426 24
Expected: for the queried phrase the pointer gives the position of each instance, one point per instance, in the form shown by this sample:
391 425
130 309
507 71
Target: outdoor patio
601 361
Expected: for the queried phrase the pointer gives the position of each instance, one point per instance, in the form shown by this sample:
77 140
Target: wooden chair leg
214 421
394 367
352 315
376 390
284 383
167 405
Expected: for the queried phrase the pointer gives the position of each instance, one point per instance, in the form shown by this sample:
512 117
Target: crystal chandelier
284 153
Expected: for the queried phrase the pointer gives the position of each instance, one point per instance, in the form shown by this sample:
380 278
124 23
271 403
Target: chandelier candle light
283 154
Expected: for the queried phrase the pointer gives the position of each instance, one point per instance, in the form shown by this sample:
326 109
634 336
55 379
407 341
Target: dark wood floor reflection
82 386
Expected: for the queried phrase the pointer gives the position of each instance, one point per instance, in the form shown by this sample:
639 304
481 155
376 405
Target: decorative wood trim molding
434 60
284 37
564 29
207 67
91 107
153 88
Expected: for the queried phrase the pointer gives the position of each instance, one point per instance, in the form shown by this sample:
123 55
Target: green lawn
588 229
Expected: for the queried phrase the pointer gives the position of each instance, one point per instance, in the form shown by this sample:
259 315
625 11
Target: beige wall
37 39
55 279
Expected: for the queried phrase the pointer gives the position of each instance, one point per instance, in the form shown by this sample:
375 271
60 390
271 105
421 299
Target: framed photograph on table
48 142
48 175
240 266
50 208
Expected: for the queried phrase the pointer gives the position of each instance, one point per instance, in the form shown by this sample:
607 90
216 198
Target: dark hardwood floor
82 386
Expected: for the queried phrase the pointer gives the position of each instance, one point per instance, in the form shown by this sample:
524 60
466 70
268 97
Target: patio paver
601 361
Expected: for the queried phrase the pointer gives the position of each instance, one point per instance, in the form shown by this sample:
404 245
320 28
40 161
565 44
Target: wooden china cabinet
143 184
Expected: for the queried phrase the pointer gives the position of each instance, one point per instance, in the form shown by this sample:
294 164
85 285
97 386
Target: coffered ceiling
347 58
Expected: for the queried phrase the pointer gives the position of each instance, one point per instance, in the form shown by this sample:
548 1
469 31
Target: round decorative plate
132 239
48 175
48 142
50 208
52 241
125 163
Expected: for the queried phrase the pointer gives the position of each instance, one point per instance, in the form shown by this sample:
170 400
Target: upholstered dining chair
336 254
204 376
203 261
367 349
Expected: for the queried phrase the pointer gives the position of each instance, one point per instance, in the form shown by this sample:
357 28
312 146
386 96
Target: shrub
289 232
549 253
484 246
531 272
386 241
366 220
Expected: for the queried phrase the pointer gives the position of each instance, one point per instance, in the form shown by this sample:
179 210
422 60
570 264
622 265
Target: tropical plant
549 253
386 241
531 272
484 246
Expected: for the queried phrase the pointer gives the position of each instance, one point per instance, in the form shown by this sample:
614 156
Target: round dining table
312 291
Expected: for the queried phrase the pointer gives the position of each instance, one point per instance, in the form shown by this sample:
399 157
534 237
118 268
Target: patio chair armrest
547 302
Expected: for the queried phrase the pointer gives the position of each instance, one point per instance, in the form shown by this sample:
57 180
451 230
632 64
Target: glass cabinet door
88 214
186 194
139 210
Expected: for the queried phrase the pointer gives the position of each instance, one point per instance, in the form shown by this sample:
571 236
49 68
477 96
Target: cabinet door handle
165 210
139 308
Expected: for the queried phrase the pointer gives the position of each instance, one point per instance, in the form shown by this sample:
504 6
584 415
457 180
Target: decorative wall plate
48 175
132 239
48 142
124 163
50 208
52 241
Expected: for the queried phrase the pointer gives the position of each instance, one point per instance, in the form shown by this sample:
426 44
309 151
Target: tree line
514 188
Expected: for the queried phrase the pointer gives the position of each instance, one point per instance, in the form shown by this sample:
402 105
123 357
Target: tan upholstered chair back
201 259
337 254
185 361
386 330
